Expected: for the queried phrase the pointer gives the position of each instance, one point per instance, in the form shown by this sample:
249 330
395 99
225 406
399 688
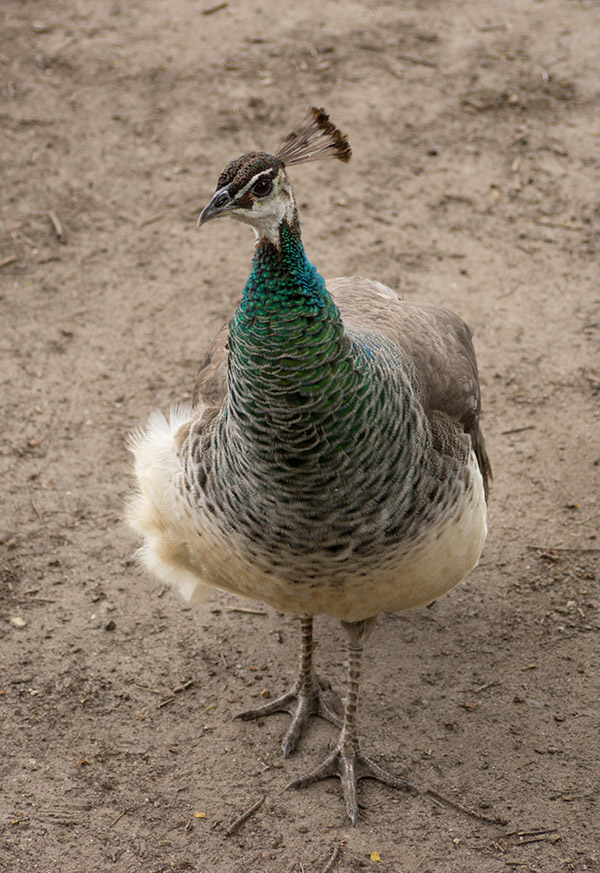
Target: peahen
331 461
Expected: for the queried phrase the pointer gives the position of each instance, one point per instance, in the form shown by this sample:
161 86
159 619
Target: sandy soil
474 182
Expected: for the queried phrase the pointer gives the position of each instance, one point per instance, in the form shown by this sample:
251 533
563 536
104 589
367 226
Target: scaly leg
304 699
347 761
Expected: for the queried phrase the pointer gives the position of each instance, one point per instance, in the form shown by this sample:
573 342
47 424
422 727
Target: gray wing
210 386
436 341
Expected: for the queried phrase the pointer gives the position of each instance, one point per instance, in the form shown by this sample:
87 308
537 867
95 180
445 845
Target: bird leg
304 699
347 761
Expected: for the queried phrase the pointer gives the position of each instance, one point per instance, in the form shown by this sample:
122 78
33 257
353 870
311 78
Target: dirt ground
474 182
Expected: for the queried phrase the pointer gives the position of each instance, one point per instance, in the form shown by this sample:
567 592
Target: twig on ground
120 816
411 59
480 688
235 825
65 45
332 859
518 429
561 549
212 9
151 219
245 610
146 688
441 798
175 691
183 687
58 228
555 224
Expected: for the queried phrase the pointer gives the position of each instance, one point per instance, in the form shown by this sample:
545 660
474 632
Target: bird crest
316 138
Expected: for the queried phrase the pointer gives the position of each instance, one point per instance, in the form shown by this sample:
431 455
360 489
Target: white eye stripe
266 174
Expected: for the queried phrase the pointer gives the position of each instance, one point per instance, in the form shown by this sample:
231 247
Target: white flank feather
157 505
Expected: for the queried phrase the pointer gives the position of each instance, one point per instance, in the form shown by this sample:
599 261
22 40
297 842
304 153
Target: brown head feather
314 139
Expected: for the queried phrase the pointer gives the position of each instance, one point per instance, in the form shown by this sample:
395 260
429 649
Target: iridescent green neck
283 278
287 346
286 318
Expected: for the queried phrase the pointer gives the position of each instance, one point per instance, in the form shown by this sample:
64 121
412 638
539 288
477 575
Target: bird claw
300 705
351 768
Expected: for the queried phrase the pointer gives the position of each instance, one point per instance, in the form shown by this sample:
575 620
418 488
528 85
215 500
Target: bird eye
262 187
220 200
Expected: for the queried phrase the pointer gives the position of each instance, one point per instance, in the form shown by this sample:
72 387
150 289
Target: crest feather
315 139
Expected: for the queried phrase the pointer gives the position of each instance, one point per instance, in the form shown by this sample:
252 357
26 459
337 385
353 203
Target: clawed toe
301 705
279 704
350 769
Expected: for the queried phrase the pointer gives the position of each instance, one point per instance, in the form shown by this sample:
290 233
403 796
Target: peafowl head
255 187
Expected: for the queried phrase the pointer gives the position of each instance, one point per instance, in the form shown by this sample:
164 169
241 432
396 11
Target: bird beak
219 204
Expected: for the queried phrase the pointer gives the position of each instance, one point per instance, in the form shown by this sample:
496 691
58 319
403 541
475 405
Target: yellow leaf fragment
200 815
374 856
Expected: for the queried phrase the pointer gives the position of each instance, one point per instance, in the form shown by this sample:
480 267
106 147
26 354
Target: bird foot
351 768
301 705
